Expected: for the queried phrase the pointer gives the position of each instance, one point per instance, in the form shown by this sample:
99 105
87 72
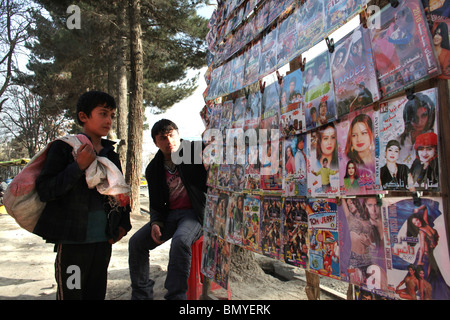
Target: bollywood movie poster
441 41
439 9
211 179
268 55
224 176
356 148
318 92
296 239
402 47
223 87
310 24
295 166
262 15
237 74
213 84
272 227
221 214
353 71
252 180
251 223
252 62
416 243
323 163
271 168
291 105
216 112
237 177
339 12
238 116
253 111
249 30
408 156
235 215
210 210
361 242
323 238
223 259
226 116
287 37
276 8
270 108
209 255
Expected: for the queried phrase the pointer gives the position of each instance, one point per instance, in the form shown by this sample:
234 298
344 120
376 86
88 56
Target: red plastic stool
196 278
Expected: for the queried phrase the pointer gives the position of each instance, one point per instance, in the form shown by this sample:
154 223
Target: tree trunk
135 112
122 85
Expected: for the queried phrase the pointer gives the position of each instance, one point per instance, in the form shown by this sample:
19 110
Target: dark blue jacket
62 185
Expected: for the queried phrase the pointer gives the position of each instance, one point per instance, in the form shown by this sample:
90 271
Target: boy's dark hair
91 99
163 126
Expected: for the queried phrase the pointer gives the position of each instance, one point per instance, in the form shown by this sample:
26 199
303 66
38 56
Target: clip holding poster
330 44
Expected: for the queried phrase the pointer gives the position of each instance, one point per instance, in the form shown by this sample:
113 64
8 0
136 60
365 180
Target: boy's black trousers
81 270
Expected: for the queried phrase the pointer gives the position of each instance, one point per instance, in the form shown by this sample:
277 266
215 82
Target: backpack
21 199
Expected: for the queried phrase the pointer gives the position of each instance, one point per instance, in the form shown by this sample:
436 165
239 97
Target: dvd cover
251 223
272 227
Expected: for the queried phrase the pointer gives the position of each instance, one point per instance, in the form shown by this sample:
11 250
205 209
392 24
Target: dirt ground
27 270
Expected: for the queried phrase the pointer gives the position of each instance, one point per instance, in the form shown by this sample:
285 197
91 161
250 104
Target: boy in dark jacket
80 221
177 201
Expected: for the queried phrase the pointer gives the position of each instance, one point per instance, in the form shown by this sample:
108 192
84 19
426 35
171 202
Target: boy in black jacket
177 201
80 221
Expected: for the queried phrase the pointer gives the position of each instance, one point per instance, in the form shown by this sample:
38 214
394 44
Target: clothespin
302 63
394 3
416 198
234 96
262 86
280 78
330 44
338 201
246 92
410 93
380 199
363 18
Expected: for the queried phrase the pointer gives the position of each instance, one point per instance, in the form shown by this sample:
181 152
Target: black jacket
62 185
193 175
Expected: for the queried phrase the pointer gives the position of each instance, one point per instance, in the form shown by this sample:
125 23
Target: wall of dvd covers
352 185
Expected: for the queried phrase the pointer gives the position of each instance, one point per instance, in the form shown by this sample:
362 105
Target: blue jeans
184 228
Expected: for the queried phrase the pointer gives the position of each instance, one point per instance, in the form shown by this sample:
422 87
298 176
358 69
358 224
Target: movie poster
356 145
272 227
291 106
441 41
338 12
237 73
417 256
221 215
296 239
216 112
252 178
402 46
271 168
262 14
239 108
361 242
223 87
323 163
224 176
253 111
215 79
252 62
353 71
211 180
226 116
268 55
223 259
310 24
210 211
323 238
270 108
318 92
408 153
251 223
287 37
295 166
209 255
439 9
234 218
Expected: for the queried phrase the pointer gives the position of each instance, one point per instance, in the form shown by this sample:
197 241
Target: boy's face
99 122
168 142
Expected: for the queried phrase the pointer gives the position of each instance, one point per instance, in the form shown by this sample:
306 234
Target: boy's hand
122 233
156 234
85 156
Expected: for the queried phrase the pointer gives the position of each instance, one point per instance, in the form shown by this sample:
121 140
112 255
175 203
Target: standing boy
177 195
80 221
